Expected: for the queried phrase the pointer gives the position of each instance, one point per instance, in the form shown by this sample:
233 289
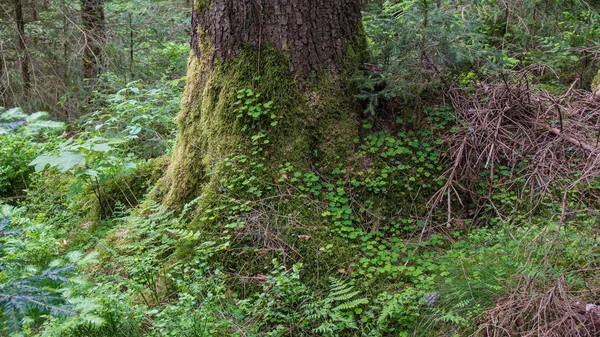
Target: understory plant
22 137
36 281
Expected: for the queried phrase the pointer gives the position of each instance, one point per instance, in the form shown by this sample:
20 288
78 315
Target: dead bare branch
545 141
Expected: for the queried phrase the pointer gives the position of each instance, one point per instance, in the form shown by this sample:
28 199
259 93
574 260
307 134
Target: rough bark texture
305 52
92 19
312 31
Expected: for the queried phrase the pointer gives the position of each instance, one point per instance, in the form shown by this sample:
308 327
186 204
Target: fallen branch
546 142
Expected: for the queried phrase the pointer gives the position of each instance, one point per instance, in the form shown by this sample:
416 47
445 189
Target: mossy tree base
313 100
316 121
310 86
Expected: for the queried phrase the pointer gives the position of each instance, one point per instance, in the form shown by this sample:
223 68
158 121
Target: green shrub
35 280
20 142
16 152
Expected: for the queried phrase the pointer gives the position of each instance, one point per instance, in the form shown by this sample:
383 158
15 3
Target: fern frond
351 304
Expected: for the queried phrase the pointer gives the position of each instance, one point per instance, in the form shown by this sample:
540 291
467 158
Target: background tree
299 54
92 19
23 52
63 49
3 74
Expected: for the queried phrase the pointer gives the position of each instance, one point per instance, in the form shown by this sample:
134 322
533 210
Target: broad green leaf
135 130
41 162
104 147
91 173
69 160
64 162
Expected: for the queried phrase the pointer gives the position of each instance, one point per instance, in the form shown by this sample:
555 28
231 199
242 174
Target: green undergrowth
23 137
338 248
319 252
275 214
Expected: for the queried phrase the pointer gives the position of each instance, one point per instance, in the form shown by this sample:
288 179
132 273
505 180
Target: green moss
317 116
201 5
356 52
127 190
596 82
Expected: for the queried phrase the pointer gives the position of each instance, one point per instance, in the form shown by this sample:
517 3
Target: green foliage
249 107
278 309
33 282
422 47
337 311
181 294
418 44
21 136
347 246
144 111
14 120
155 29
93 162
15 154
145 40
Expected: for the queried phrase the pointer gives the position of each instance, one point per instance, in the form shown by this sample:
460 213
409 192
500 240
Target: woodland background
469 206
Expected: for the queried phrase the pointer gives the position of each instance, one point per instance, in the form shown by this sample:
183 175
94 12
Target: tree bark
92 19
313 31
3 73
24 53
305 53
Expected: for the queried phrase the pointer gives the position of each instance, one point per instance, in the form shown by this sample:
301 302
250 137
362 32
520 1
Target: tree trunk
305 53
34 10
3 73
24 58
92 19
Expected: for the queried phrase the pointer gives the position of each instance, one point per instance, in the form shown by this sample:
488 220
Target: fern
40 292
184 234
351 305
33 290
336 311
5 231
14 119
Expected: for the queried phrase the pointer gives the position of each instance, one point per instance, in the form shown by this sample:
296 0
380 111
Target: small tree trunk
3 74
24 53
92 19
34 10
131 50
305 53
65 40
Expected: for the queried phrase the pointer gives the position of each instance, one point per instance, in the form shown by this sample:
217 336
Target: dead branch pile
548 143
592 52
555 312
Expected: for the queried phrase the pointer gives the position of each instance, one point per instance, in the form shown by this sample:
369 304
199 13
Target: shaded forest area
299 168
